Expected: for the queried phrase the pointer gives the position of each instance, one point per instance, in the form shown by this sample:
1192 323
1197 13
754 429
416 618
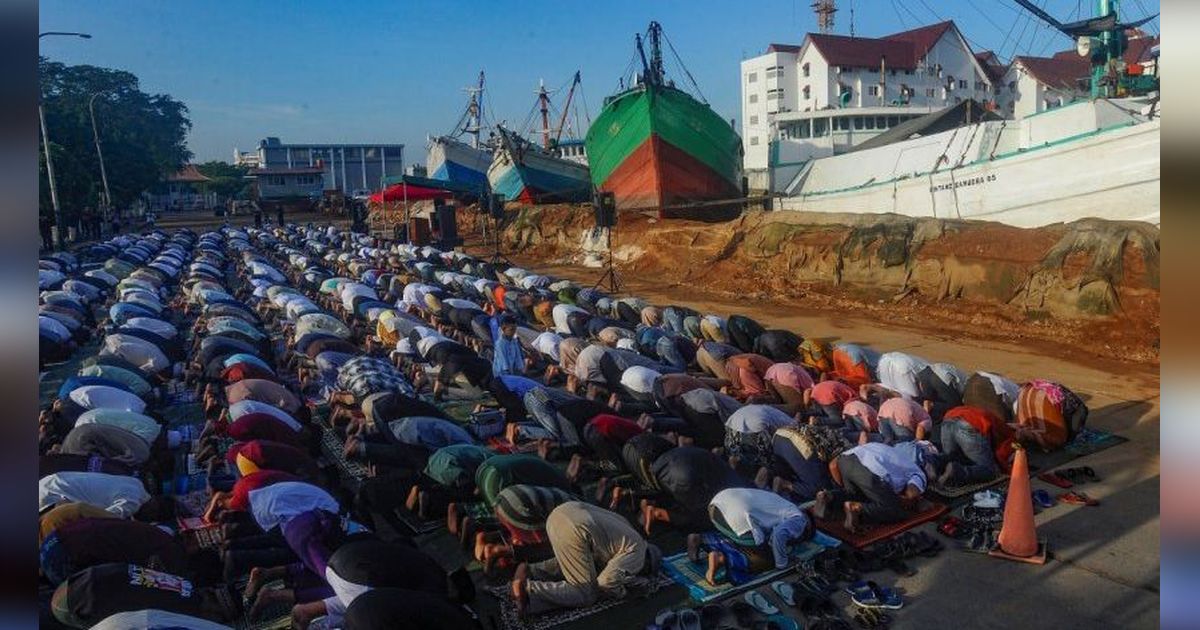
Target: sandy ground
1105 570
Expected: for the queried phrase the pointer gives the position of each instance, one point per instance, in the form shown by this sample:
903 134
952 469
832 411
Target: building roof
903 50
786 48
283 170
1057 72
1136 50
189 174
991 65
864 52
922 38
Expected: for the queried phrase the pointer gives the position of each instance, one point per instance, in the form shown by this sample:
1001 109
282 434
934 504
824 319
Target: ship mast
475 112
652 68
1103 40
566 107
544 107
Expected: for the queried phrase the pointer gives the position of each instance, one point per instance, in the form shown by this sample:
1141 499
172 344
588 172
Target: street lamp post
58 218
99 153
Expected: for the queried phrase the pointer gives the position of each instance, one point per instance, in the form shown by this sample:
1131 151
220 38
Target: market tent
396 192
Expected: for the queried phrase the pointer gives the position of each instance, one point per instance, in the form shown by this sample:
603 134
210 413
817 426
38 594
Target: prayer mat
554 618
691 575
875 532
273 617
950 493
332 448
416 524
193 503
1087 442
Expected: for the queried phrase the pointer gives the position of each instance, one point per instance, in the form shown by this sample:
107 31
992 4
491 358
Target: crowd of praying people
552 428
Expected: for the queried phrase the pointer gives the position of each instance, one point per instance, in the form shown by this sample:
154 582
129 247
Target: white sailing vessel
1096 158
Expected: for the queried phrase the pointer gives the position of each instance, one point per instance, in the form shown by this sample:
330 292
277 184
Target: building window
981 86
805 69
893 121
752 77
858 123
753 98
873 90
754 120
753 141
820 127
805 129
962 84
908 72
775 94
807 92
929 92
843 123
870 122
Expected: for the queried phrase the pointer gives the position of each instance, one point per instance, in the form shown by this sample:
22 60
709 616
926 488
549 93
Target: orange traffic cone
1018 535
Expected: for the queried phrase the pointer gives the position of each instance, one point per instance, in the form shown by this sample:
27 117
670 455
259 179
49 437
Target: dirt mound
1091 284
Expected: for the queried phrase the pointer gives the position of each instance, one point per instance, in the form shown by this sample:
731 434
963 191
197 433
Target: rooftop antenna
825 10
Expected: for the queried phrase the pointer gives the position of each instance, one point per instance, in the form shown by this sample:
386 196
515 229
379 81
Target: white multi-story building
832 92
1035 84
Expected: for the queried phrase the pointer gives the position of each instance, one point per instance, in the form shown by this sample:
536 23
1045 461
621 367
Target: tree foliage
143 136
228 180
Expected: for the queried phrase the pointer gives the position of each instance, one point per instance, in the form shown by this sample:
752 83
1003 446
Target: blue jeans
962 444
893 432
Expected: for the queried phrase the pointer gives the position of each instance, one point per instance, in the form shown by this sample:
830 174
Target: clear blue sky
393 71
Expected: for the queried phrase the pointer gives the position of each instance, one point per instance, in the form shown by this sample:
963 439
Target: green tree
228 180
143 136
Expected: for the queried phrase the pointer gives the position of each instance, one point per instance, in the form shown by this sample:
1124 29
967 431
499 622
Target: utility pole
58 217
100 154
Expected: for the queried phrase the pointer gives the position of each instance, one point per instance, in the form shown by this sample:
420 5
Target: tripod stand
610 269
495 208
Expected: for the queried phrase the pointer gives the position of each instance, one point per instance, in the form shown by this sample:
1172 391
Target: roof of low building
188 174
1058 72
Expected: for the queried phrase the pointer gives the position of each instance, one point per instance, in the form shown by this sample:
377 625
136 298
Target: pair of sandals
894 552
833 566
744 613
1079 474
809 595
872 618
1066 478
1077 498
686 619
980 541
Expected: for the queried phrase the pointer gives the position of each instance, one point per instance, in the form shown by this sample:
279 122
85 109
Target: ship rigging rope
999 134
967 146
686 73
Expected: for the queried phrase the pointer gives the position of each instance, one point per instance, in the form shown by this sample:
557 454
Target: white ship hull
455 161
1056 167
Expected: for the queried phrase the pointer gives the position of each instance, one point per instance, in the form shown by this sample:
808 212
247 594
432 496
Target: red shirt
615 428
833 393
990 427
240 498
